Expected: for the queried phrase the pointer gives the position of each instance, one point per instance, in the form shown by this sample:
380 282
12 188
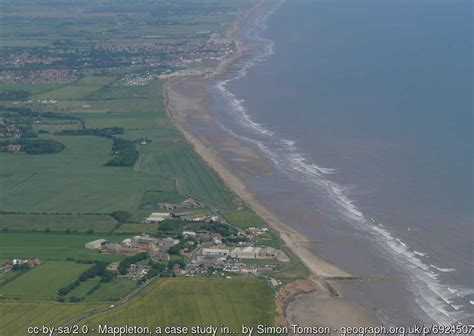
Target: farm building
157 217
96 244
143 240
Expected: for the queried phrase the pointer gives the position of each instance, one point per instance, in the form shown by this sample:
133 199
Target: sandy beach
187 103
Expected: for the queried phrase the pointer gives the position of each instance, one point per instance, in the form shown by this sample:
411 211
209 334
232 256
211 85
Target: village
199 245
147 58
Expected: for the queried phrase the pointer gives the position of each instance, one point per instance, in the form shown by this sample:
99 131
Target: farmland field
51 246
113 290
47 278
75 180
57 223
108 291
197 301
17 316
83 288
177 159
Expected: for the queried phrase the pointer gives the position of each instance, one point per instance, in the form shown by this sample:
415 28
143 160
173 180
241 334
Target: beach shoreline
180 109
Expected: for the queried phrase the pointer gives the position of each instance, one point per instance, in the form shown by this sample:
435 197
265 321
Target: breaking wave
433 297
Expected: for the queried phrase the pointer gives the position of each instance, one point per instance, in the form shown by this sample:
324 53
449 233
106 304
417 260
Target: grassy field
113 290
195 301
47 278
83 288
108 291
77 91
74 180
15 317
52 246
243 218
57 223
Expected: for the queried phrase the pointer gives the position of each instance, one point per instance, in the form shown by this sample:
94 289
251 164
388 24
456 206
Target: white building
215 252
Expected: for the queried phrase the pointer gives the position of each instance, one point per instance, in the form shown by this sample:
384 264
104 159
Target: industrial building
251 252
215 252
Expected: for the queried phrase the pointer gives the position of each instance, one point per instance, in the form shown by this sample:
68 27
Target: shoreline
298 243
293 239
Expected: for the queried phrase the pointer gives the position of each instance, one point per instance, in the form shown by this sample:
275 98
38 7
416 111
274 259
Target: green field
243 218
74 180
52 246
108 291
57 223
137 228
47 278
16 317
77 91
196 301
113 290
84 287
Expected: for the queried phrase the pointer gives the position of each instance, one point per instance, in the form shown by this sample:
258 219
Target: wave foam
444 270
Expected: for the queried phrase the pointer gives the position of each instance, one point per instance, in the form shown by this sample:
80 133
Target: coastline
321 293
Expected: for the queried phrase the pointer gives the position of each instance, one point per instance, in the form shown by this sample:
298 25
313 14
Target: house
157 217
33 262
96 244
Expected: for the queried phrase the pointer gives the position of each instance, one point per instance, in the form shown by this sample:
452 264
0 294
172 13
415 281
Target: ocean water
365 110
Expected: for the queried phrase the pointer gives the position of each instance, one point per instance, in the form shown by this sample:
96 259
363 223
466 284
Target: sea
364 109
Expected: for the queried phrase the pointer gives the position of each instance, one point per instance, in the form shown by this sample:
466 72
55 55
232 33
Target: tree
121 216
